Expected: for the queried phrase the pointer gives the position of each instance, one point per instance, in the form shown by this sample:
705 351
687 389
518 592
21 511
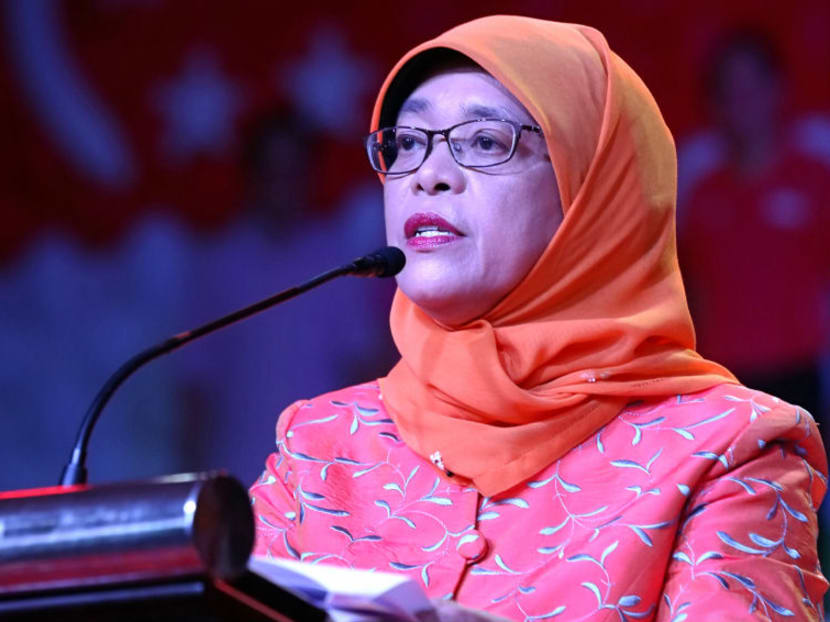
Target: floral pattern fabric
698 507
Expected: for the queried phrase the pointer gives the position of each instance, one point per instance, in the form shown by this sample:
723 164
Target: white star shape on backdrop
199 107
328 83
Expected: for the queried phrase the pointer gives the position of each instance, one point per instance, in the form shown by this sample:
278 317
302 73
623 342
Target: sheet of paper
348 595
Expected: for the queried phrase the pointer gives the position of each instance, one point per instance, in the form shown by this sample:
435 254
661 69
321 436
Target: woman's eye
484 142
408 142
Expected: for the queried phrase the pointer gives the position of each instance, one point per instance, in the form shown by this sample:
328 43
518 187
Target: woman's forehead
464 92
470 110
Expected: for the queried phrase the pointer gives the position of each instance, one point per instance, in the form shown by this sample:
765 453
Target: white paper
348 595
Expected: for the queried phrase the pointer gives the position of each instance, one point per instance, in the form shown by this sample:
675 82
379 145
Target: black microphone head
384 262
393 260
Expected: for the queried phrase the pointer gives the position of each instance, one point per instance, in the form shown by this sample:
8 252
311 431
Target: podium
170 549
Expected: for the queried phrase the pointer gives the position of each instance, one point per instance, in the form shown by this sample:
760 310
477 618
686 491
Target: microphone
384 262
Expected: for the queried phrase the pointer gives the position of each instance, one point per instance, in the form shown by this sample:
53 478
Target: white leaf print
346 460
709 555
500 563
592 512
749 489
608 550
310 495
546 531
267 522
687 435
411 475
653 458
712 419
539 484
405 520
434 547
342 530
550 614
746 581
682 557
567 485
331 511
642 534
438 500
362 472
519 503
316 421
547 550
595 590
393 486
637 436
720 580
628 464
762 541
470 537
783 611
291 550
791 552
794 513
727 539
629 600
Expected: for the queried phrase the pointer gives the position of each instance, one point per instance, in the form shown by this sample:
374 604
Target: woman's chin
451 306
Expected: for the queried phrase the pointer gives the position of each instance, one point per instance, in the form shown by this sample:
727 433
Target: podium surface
174 548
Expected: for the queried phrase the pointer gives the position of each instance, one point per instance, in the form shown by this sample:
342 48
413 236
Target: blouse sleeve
747 547
273 497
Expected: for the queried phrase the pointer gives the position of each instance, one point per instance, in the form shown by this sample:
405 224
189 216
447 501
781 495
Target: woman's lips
429 230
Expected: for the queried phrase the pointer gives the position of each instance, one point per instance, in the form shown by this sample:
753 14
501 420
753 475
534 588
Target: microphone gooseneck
384 262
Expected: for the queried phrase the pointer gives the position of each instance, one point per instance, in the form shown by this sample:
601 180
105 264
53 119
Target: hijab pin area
436 459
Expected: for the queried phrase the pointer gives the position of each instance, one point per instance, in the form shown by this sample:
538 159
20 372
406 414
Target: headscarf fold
601 319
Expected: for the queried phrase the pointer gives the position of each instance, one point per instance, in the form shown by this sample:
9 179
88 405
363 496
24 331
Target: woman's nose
440 172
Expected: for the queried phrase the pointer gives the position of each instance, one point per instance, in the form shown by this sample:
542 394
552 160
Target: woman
550 445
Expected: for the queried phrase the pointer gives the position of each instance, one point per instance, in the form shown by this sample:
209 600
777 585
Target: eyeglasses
473 144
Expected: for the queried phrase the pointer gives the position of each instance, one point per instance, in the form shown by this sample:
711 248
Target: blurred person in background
754 234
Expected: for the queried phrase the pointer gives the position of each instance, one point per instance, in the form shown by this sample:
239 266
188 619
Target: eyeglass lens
475 143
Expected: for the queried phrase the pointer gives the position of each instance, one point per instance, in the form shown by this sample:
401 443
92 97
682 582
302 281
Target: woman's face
469 235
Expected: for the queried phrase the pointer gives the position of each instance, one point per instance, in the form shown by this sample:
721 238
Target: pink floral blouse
698 507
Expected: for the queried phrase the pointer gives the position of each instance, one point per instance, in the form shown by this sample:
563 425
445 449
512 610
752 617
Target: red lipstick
428 230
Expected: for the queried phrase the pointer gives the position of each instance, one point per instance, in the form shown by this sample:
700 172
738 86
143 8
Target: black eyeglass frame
372 144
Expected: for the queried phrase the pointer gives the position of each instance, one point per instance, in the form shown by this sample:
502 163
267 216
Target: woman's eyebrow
414 105
479 111
417 105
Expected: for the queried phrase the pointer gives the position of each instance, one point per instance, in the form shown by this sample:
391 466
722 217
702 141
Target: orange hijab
601 319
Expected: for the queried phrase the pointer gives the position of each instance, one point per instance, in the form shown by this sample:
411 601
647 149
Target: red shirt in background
755 254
